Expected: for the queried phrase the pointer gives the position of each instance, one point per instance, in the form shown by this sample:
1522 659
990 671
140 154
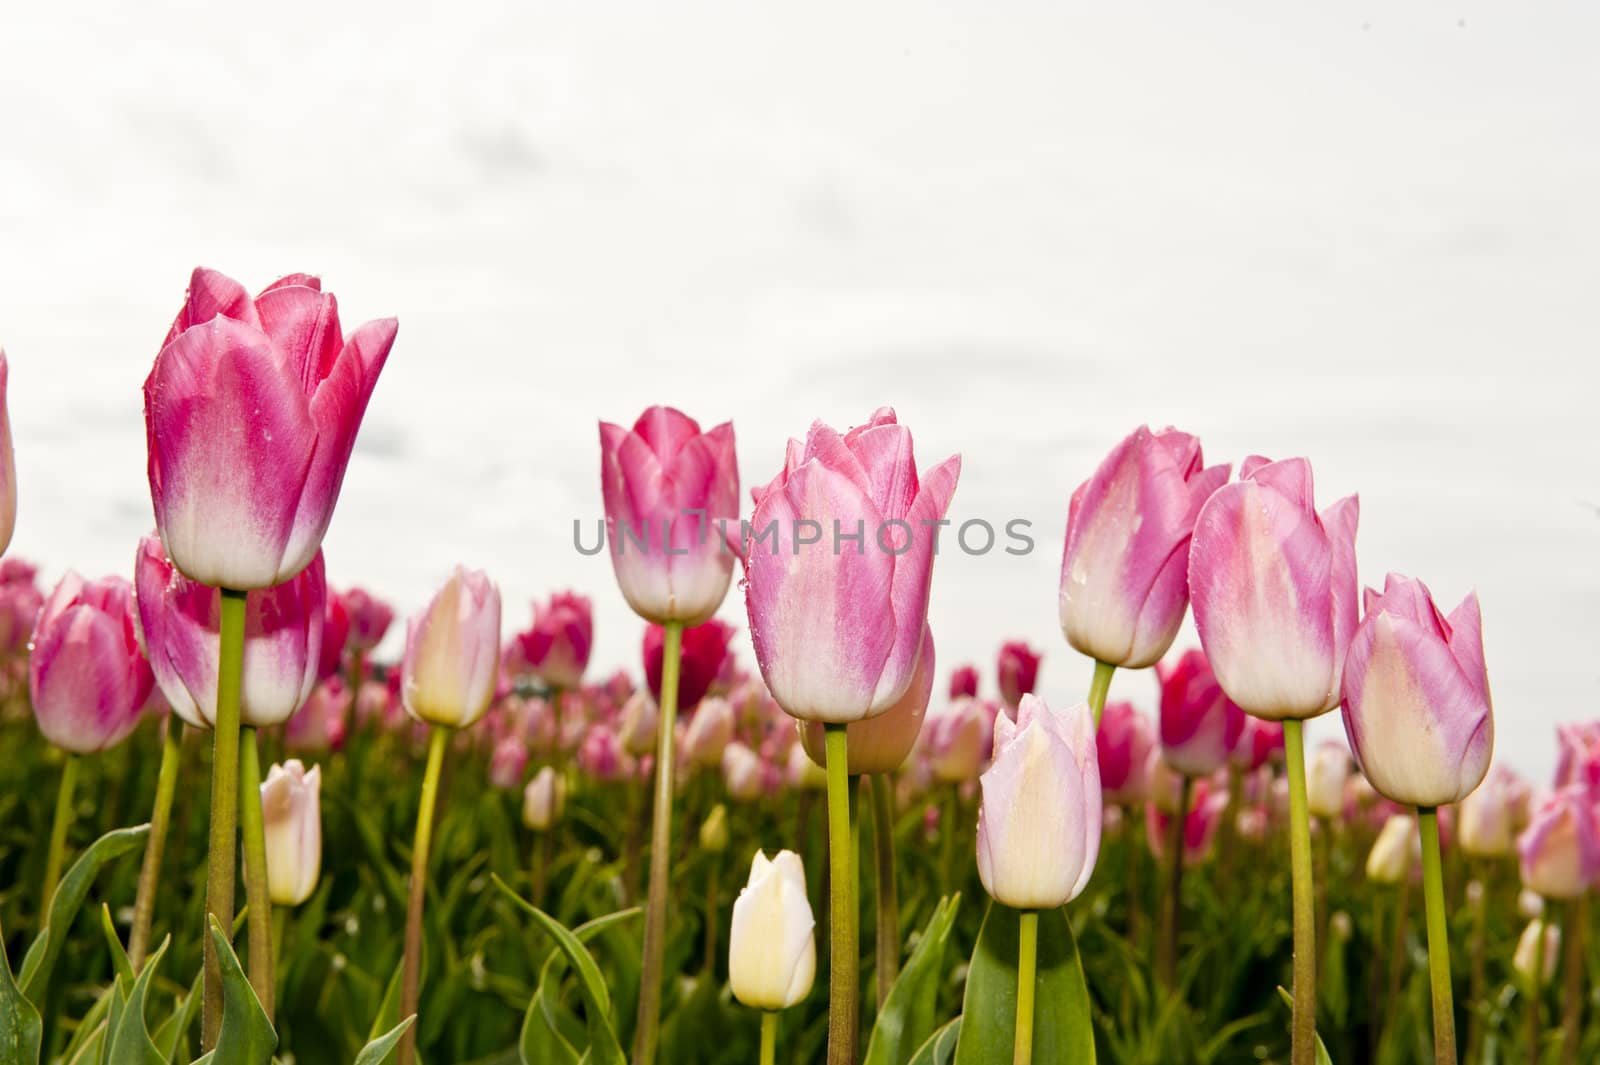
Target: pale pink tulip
1560 848
881 744
292 815
452 657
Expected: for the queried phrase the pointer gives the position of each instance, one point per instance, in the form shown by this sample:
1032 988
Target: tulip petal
212 293
304 323
665 430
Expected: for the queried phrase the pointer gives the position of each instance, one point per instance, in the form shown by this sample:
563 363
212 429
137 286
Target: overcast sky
1364 234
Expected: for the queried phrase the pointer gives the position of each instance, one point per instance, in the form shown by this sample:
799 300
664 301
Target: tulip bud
1260 742
507 763
743 773
1489 816
86 676
292 815
958 740
704 651
802 773
1325 777
320 725
708 733
1039 820
370 618
1528 950
1389 861
714 830
20 602
1018 670
452 657
1199 725
335 634
1560 848
1530 904
1123 744
1208 804
543 800
1274 589
837 624
601 756
8 463
639 724
880 744
1416 696
556 648
772 954
964 682
1578 758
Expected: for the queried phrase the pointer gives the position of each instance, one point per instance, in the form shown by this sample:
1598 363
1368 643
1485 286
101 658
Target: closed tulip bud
1274 587
543 800
1489 816
959 739
1251 824
1560 848
1199 724
1124 579
964 682
714 830
370 618
708 733
452 658
1208 805
638 724
801 773
1341 926
601 756
1040 818
772 954
881 744
508 762
1018 670
1123 743
837 623
743 773
291 812
8 462
251 412
704 650
1260 742
86 675
20 602
180 622
322 723
556 649
335 634
1530 904
1524 960
1578 757
1392 854
1416 696
1325 777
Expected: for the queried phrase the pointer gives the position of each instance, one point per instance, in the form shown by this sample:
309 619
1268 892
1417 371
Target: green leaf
1063 1032
906 1019
940 1048
541 1041
20 1026
380 1048
603 1046
127 1041
41 956
1323 1057
119 956
169 1037
246 1036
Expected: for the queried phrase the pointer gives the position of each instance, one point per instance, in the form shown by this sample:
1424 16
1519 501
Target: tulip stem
1480 924
1444 1014
58 835
1573 993
713 889
655 916
844 968
1099 688
888 923
144 906
1027 964
222 855
1177 834
1535 1022
769 1038
411 972
1303 1029
1131 845
256 892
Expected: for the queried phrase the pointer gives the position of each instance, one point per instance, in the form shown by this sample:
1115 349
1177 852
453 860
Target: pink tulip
670 493
291 808
1560 848
322 723
958 740
881 744
8 463
20 601
601 756
251 412
453 652
1200 725
556 648
508 762
87 677
1040 819
744 774
1207 806
1260 742
704 650
1396 851
1274 587
1578 760
1326 773
638 724
1491 814
964 682
801 773
1124 579
370 618
1123 743
839 565
544 799
708 733
180 623
335 635
1416 696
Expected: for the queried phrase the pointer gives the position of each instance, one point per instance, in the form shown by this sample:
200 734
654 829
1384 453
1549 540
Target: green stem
280 931
1573 993
655 915
1099 687
769 1038
1303 1030
713 919
1444 1013
844 969
1027 962
222 857
1177 831
411 973
947 839
1480 925
58 835
144 906
887 927
1535 1022
256 892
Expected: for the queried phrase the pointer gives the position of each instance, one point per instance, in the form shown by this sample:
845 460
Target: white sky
1364 234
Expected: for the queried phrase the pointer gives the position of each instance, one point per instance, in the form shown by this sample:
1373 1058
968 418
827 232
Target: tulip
557 647
637 724
86 675
452 653
1392 854
1325 777
335 634
292 816
1207 806
1124 584
705 647
1259 743
8 463
708 734
1199 725
801 773
1018 670
1416 696
508 762
1039 819
714 830
1560 848
320 725
1123 744
20 602
601 756
880 744
839 565
964 682
772 955
370 618
1578 760
958 740
1532 956
543 800
743 773
251 411
1489 816
180 623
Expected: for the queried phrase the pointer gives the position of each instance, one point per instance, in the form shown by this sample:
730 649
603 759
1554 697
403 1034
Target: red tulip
335 635
1200 725
556 648
704 648
1018 670
964 682
86 675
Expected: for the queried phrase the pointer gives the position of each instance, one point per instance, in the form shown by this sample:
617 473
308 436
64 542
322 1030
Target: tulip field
234 829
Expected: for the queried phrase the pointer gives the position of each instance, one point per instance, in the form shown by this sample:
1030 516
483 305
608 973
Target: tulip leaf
380 1048
127 1041
20 1027
541 1041
906 1019
169 1037
1323 1057
940 1047
68 899
119 956
1063 1032
246 1036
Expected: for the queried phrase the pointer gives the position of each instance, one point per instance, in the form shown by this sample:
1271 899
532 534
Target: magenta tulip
452 657
1200 725
1018 670
704 650
1560 848
1274 587
251 412
335 635
1416 696
1124 575
1207 806
964 682
1578 760
370 618
556 648
1260 742
1124 742
87 676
